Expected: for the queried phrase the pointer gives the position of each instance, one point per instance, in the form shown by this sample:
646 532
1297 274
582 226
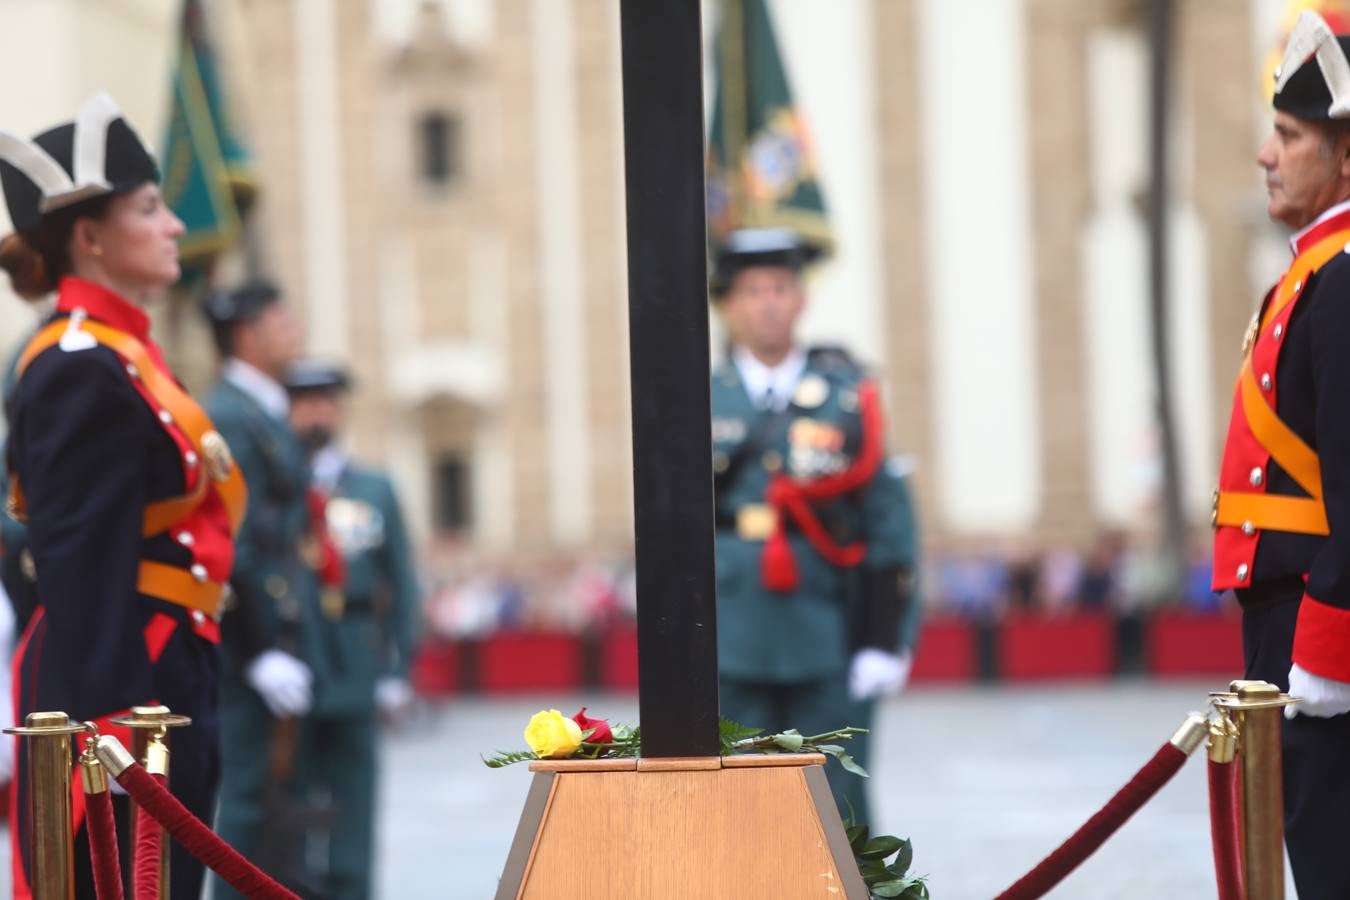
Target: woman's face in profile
138 240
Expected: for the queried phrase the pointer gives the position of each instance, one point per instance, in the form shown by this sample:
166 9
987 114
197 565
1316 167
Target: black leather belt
365 605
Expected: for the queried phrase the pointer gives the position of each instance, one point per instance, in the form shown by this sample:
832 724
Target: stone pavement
985 781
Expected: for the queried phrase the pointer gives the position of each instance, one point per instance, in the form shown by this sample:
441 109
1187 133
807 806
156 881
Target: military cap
97 154
749 247
317 375
242 304
1313 79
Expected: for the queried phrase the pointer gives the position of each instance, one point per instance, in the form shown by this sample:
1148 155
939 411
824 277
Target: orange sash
176 407
1277 512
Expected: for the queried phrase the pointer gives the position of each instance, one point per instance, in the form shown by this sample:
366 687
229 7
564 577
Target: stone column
600 145
515 190
1221 79
907 374
1059 154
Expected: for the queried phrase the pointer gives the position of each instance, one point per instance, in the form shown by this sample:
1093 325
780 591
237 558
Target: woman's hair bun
28 272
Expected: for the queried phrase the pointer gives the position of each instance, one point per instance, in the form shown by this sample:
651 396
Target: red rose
601 735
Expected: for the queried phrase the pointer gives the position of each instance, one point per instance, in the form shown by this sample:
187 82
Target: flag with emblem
207 171
761 164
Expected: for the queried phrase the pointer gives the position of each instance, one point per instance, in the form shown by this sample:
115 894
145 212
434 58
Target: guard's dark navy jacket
92 451
1299 364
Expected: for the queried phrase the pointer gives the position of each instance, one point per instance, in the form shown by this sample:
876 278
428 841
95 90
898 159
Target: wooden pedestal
734 828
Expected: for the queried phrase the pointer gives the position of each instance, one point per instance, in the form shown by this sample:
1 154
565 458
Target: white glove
1322 697
393 695
283 681
875 672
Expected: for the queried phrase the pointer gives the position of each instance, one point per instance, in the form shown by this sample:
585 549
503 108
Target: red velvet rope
1225 830
1084 842
197 839
98 811
145 863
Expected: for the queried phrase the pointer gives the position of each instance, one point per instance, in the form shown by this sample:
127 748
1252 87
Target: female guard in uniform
130 496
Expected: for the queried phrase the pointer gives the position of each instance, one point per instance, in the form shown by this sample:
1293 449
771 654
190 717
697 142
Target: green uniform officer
372 623
816 548
270 657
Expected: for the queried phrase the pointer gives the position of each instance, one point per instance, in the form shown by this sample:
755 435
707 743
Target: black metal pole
668 331
1160 22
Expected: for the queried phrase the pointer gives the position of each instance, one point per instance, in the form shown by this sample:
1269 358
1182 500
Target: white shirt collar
782 378
1336 210
327 467
262 387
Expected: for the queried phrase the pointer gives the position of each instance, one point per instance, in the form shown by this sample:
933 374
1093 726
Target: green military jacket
275 589
808 633
375 629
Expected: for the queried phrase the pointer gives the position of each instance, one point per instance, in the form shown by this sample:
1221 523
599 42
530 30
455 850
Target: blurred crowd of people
469 596
1117 573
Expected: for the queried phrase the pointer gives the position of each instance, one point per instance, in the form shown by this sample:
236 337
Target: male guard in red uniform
1282 511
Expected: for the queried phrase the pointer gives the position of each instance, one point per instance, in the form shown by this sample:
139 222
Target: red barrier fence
948 651
1187 643
527 661
1021 647
1081 645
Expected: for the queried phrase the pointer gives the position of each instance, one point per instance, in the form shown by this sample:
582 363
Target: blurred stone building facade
442 197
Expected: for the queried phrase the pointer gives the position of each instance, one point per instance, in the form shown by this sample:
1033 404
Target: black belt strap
768 423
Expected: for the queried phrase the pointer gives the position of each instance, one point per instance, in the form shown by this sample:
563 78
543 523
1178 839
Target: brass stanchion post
150 747
52 866
1257 707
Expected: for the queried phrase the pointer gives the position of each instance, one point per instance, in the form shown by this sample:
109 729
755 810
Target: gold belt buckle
756 521
333 603
311 552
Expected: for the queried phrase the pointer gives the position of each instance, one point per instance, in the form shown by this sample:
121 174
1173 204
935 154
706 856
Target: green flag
208 173
761 165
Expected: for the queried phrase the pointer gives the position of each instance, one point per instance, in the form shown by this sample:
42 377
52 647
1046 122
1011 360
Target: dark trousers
811 707
1316 763
339 754
252 816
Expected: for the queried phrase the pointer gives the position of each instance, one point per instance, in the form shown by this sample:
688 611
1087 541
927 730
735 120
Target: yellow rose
551 735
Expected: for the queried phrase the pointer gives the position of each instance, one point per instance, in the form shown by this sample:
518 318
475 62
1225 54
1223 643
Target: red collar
103 305
1340 221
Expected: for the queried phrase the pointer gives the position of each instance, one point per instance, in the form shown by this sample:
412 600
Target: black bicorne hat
99 153
1313 79
748 247
317 375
